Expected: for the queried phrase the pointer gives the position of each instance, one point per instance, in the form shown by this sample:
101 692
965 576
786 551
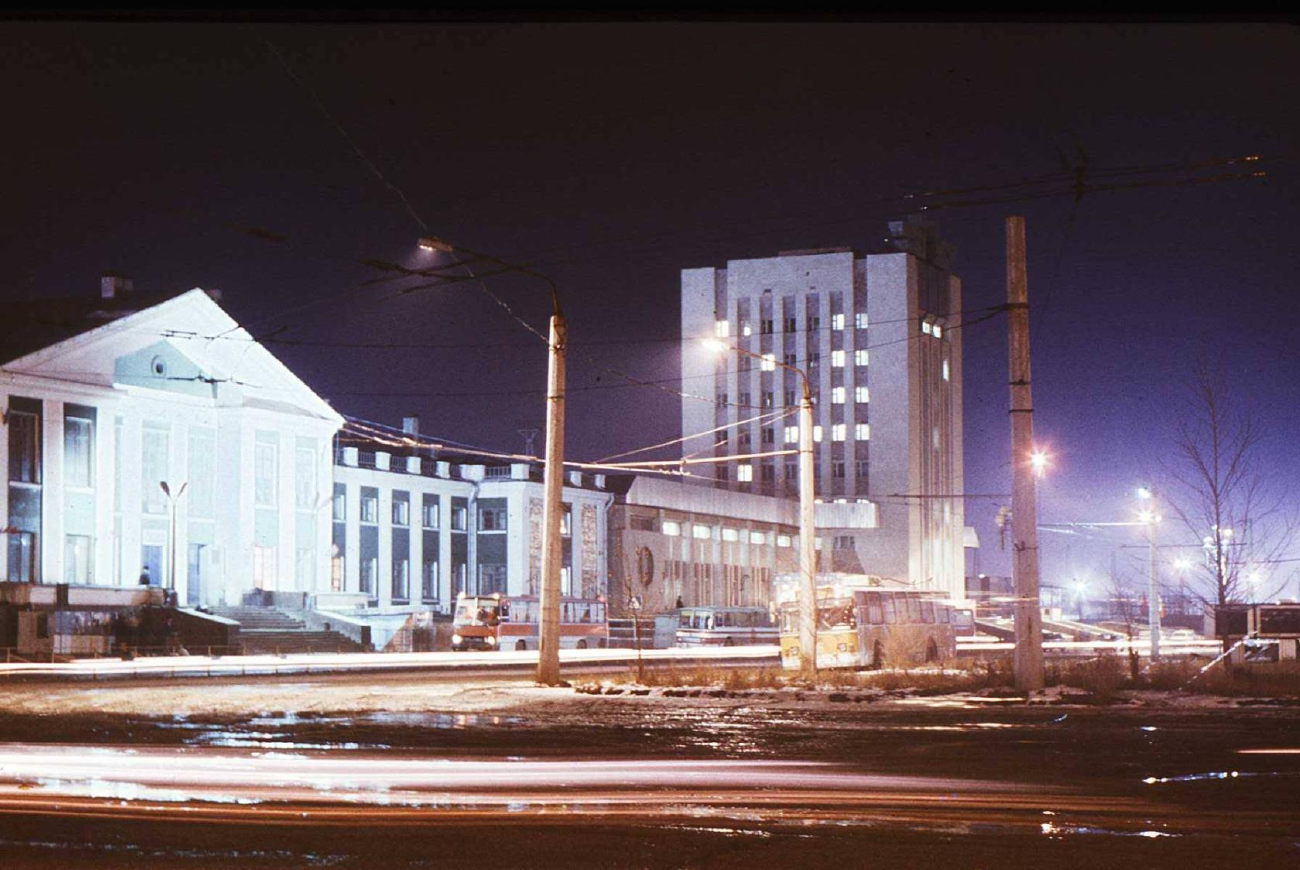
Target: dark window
24 447
837 469
767 399
765 326
791 325
491 578
769 435
768 472
492 519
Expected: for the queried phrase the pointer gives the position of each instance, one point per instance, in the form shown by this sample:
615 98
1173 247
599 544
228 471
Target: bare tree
1222 495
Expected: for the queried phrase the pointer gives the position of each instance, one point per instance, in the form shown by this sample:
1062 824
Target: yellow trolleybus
860 628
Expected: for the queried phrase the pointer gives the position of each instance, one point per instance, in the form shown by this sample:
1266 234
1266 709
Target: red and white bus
487 622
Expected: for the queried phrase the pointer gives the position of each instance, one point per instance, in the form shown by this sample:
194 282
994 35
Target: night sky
610 156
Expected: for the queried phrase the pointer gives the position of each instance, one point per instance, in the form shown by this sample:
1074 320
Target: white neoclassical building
151 439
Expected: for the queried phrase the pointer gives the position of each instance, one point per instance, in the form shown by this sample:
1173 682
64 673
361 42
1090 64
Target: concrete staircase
268 630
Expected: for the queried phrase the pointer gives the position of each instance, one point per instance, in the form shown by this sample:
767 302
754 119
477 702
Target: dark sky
613 155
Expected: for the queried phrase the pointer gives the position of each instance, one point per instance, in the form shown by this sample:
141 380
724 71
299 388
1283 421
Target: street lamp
1149 516
171 534
1038 461
807 527
548 646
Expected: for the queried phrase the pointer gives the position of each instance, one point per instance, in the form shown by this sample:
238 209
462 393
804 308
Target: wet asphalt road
647 785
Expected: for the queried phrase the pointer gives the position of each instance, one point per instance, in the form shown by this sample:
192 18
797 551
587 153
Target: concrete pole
807 541
1024 508
548 654
1153 594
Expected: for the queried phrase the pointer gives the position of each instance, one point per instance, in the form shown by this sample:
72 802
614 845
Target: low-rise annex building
416 523
682 544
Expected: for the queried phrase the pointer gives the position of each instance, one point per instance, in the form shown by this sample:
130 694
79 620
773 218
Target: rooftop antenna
529 436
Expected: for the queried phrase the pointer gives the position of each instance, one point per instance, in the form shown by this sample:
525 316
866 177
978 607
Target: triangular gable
196 335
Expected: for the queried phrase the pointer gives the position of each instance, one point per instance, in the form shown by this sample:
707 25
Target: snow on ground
408 694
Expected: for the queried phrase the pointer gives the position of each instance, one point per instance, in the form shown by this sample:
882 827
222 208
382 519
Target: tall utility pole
548 654
548 646
807 539
1024 508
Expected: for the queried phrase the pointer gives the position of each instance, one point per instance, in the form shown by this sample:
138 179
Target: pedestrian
680 604
144 576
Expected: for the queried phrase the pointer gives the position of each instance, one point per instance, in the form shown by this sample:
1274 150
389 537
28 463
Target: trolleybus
488 622
860 628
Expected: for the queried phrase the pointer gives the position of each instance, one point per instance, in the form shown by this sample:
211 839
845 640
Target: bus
858 628
488 622
725 626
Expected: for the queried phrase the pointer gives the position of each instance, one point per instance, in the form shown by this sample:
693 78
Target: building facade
413 527
151 441
879 339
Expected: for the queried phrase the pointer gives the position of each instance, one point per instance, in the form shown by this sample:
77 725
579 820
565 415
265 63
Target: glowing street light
1038 461
433 243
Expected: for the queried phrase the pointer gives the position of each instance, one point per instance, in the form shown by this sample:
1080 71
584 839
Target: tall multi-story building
878 336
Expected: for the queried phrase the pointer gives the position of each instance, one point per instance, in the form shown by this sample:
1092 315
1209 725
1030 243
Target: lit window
817 434
401 510
745 473
746 329
862 432
730 535
861 394
783 540
837 395
925 327
369 506
769 362
791 434
702 532
837 322
938 331
671 528
861 357
837 359
722 328
757 537
946 371
860 320
838 431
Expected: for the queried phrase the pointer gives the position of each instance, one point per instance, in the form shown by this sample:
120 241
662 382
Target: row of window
767 471
490 519
704 532
839 395
722 328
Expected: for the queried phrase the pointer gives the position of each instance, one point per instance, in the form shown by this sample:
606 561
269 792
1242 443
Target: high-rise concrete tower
879 337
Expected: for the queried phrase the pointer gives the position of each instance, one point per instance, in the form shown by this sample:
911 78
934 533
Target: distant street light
1150 517
807 525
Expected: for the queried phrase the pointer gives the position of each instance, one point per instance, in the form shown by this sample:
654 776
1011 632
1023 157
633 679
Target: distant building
415 525
674 541
120 409
879 338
